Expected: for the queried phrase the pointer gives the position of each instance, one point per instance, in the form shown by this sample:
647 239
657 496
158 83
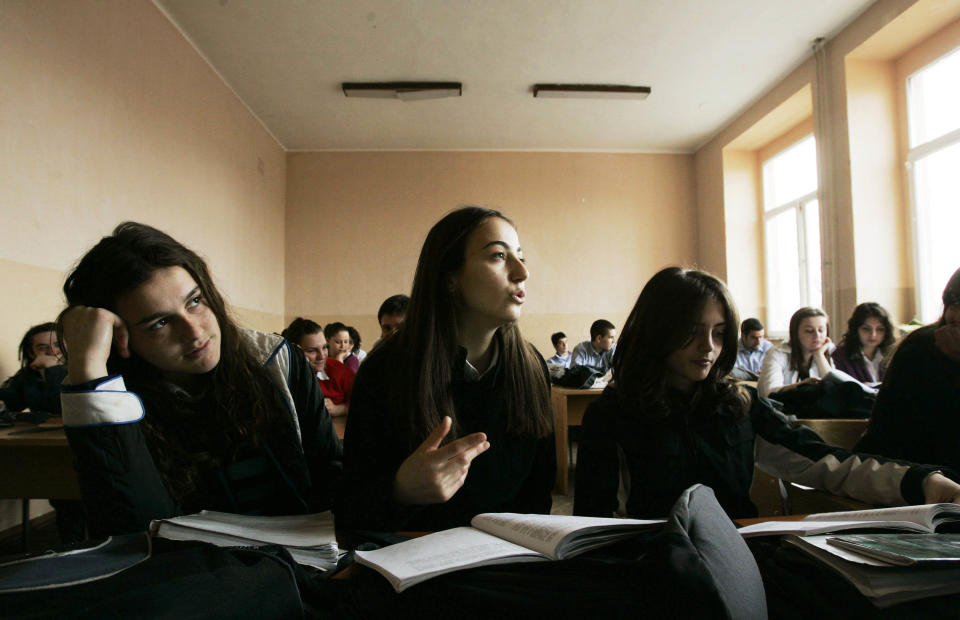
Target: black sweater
516 474
655 460
917 415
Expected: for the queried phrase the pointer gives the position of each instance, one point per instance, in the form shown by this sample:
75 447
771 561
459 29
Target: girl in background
357 355
862 349
308 336
672 418
803 359
451 416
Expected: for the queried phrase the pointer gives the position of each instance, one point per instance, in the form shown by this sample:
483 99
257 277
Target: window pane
934 93
783 269
937 185
811 223
790 174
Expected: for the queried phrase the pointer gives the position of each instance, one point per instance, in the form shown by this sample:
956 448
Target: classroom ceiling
706 61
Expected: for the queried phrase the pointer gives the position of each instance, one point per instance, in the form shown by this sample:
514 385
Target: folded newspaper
310 539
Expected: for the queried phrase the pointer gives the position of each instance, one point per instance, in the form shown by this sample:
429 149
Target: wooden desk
568 408
36 465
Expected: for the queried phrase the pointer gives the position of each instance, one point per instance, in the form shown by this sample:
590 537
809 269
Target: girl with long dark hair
170 407
672 418
868 339
451 416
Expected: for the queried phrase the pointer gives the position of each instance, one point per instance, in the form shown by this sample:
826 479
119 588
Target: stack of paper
310 539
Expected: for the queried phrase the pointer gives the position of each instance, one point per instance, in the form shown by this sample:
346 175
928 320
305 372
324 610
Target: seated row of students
171 408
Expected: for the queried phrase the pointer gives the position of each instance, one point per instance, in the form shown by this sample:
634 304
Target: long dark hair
25 350
427 341
796 351
661 322
237 401
850 343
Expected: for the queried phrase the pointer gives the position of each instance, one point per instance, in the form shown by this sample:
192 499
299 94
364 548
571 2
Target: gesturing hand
938 489
432 474
89 333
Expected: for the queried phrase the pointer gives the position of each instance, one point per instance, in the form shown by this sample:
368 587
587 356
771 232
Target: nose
518 272
191 329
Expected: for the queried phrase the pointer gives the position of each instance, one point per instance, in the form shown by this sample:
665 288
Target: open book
923 518
310 539
883 583
497 538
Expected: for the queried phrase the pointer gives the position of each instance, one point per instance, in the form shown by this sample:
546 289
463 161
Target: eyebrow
502 244
159 315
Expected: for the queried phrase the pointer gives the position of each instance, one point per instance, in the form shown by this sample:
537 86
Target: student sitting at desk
673 419
336 380
36 386
172 408
597 352
804 359
451 416
868 339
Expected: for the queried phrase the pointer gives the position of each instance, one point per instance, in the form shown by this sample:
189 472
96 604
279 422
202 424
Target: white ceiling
705 60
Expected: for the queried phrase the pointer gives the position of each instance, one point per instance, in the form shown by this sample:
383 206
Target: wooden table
36 465
568 408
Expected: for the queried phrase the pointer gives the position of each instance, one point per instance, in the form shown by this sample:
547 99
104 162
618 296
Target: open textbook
310 539
497 538
883 583
923 518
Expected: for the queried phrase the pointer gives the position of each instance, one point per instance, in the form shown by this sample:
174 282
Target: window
791 222
933 162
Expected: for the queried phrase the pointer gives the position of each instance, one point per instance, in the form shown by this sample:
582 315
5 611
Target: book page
290 531
921 515
807 528
544 533
415 560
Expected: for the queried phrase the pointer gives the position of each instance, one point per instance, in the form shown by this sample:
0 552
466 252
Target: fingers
465 449
435 438
121 337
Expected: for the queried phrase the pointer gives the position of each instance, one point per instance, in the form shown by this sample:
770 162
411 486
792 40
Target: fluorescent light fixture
590 91
405 91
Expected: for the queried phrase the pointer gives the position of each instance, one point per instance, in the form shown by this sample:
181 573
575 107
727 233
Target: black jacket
296 469
655 461
917 415
40 391
516 474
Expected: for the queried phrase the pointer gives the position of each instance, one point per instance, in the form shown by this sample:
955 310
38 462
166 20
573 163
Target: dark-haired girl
451 416
672 418
336 380
917 415
170 407
862 349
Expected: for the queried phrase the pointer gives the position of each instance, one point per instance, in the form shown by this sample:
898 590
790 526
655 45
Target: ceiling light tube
405 91
590 91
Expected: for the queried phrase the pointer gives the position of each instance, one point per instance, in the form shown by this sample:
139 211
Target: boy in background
598 351
562 358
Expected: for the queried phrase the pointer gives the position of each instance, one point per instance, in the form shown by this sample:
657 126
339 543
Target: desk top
556 389
13 436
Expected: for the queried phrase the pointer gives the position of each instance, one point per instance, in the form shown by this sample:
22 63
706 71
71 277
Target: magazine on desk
924 518
883 583
498 538
310 539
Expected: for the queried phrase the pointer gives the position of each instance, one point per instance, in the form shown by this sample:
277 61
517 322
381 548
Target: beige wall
594 228
108 114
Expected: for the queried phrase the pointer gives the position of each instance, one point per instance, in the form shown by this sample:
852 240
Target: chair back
840 432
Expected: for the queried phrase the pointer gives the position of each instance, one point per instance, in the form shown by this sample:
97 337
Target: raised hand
432 474
89 334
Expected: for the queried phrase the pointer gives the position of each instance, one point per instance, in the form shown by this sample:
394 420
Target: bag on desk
132 576
578 377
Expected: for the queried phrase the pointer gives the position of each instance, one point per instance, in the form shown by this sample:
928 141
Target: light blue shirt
560 361
751 360
584 355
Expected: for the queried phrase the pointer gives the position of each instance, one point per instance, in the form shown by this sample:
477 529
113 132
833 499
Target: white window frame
919 228
799 206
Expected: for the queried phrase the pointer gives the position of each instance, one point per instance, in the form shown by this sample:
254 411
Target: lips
199 351
519 296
